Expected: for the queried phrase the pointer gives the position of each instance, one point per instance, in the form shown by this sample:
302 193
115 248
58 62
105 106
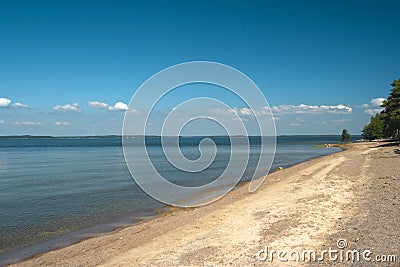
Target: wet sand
352 195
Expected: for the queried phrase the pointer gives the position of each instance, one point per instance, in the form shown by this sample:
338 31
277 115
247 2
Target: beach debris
324 146
280 168
331 145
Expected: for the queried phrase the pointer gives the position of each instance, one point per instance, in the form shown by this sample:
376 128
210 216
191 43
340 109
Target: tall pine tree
391 114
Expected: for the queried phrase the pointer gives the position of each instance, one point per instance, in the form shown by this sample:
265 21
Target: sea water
57 191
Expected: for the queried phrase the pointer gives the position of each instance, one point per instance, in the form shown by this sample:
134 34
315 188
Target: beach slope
353 196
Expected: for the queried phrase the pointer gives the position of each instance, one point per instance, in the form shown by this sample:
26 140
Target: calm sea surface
56 191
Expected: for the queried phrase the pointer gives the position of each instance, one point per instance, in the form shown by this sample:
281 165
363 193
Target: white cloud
4 102
294 124
61 123
68 107
374 107
364 106
377 102
119 106
245 111
19 105
2 122
27 123
373 111
304 109
96 104
286 109
249 111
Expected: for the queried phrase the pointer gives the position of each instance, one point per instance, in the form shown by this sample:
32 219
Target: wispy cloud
307 109
96 104
242 111
4 102
238 119
280 110
61 123
297 122
27 123
341 121
68 107
119 106
364 106
373 111
19 106
2 122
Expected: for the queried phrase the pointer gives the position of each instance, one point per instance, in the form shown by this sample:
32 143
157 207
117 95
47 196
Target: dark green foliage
392 111
345 136
374 130
387 123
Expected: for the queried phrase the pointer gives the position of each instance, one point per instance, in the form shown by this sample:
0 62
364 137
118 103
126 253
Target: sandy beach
353 196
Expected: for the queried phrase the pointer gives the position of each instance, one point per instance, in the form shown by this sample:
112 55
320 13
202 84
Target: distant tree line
387 123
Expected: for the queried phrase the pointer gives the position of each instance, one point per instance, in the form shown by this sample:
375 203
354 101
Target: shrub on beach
345 136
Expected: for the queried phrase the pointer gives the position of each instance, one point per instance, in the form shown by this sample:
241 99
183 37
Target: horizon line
150 135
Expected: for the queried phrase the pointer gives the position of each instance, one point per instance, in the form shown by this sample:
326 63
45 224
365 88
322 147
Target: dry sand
352 195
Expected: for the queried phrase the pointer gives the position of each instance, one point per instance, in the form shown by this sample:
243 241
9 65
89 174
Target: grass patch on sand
332 145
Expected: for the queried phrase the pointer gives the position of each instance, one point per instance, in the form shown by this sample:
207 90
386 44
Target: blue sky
58 58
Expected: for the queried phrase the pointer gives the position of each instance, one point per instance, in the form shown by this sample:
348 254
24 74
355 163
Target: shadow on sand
390 144
387 144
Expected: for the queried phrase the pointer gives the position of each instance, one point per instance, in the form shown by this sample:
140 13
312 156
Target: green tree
392 111
345 136
375 129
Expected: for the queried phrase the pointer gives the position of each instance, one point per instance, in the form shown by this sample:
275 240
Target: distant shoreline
147 136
